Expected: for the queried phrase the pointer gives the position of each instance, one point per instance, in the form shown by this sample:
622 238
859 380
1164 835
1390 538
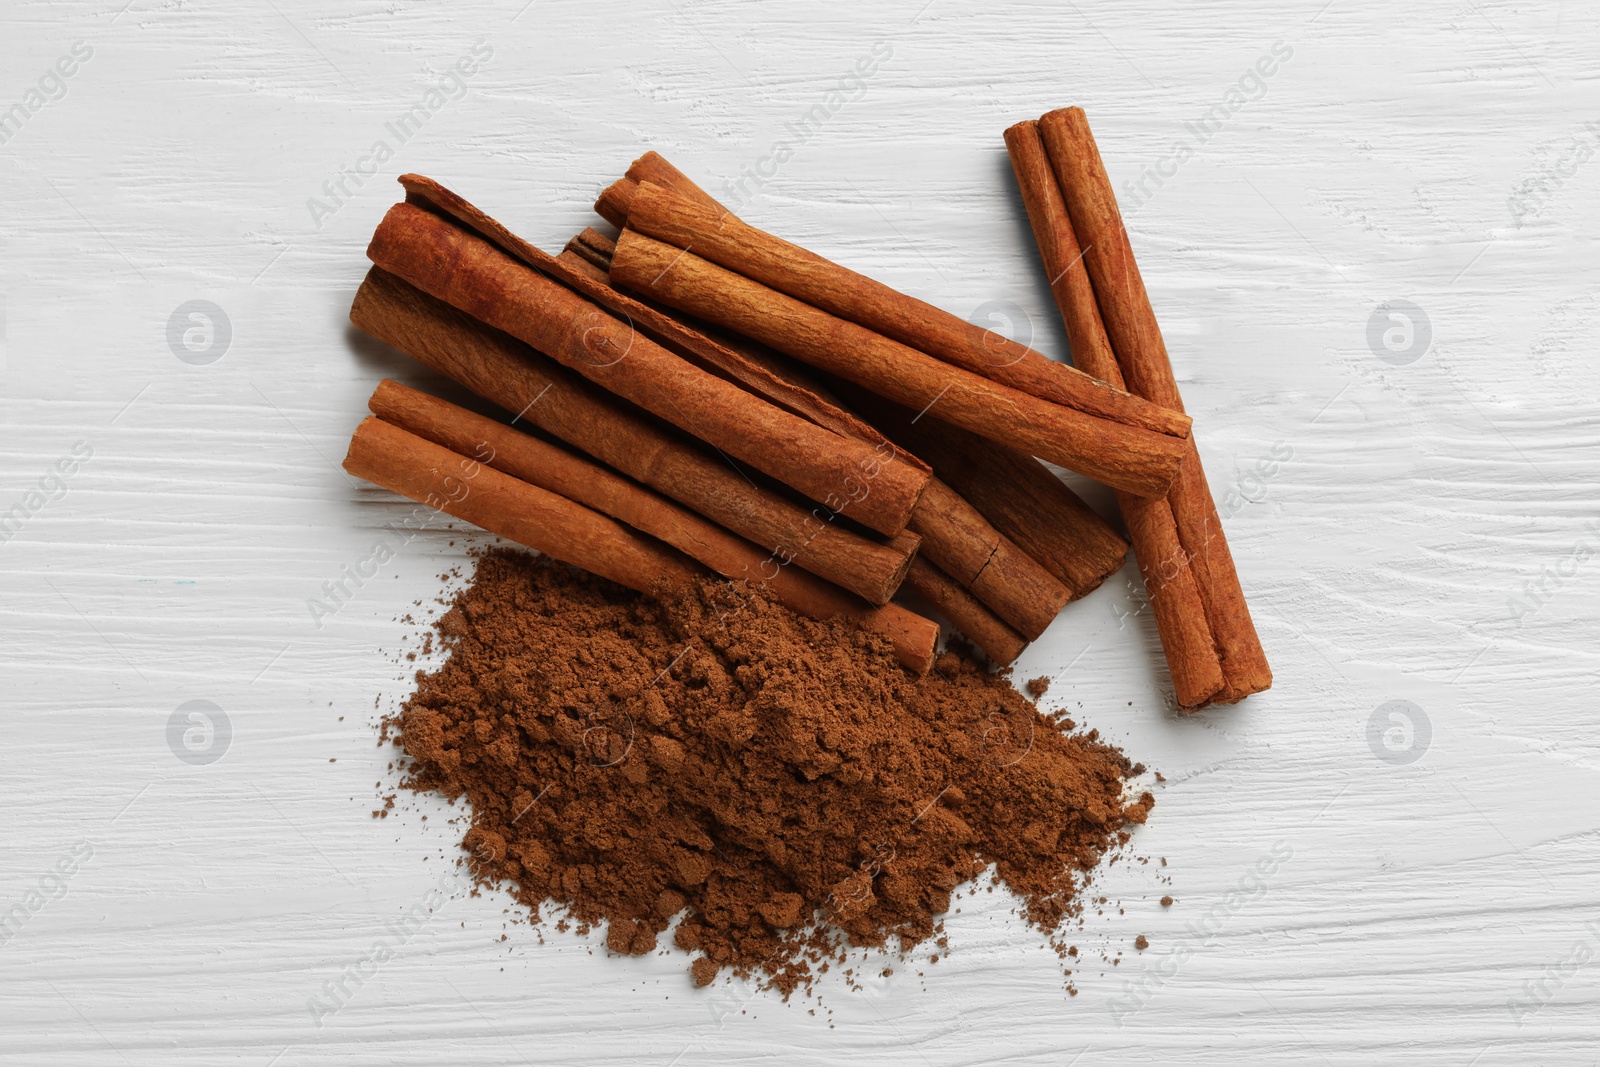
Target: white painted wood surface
1438 153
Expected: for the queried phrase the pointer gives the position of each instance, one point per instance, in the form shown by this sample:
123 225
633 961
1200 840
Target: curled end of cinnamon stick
612 204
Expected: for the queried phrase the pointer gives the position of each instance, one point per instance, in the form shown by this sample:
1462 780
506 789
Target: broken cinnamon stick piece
534 389
1128 320
726 240
463 487
583 481
1134 458
477 277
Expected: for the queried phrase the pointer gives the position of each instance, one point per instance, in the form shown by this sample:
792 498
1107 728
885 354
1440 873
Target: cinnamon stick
581 265
998 641
473 275
1174 595
758 370
1037 512
1109 319
724 239
1129 457
552 468
651 167
593 246
955 535
460 486
513 376
614 199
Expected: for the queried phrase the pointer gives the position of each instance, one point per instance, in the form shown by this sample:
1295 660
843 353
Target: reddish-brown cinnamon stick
762 372
614 200
585 482
722 238
457 485
651 167
536 390
955 536
475 276
999 641
1109 317
594 247
1035 510
1175 599
1128 457
581 265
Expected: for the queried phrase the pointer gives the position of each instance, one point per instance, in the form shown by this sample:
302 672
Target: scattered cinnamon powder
779 786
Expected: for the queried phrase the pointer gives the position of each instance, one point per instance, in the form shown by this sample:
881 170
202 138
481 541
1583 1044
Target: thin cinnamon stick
1103 300
552 468
460 486
1129 457
513 376
724 239
475 276
998 641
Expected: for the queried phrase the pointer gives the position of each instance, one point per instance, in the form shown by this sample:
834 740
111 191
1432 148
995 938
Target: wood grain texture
1423 531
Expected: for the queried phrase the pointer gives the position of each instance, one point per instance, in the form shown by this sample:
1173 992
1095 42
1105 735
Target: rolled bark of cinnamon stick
614 199
583 481
581 265
460 486
1128 457
1001 643
955 536
762 372
513 376
651 167
593 246
1175 601
713 234
1109 318
1025 501
471 274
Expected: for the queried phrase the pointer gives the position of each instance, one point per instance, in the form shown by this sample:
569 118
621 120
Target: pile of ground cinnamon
772 789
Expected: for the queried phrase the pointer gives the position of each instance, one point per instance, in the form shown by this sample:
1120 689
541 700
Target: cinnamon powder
779 788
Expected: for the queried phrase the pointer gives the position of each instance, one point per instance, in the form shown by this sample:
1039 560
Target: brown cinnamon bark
463 487
722 238
1044 519
1128 457
580 265
998 641
651 167
593 246
1110 320
612 204
477 277
552 468
955 536
534 389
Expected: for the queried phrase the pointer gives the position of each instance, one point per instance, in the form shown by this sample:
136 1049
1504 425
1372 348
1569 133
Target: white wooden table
1422 526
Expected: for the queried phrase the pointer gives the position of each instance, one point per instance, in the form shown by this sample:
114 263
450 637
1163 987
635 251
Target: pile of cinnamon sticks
698 396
